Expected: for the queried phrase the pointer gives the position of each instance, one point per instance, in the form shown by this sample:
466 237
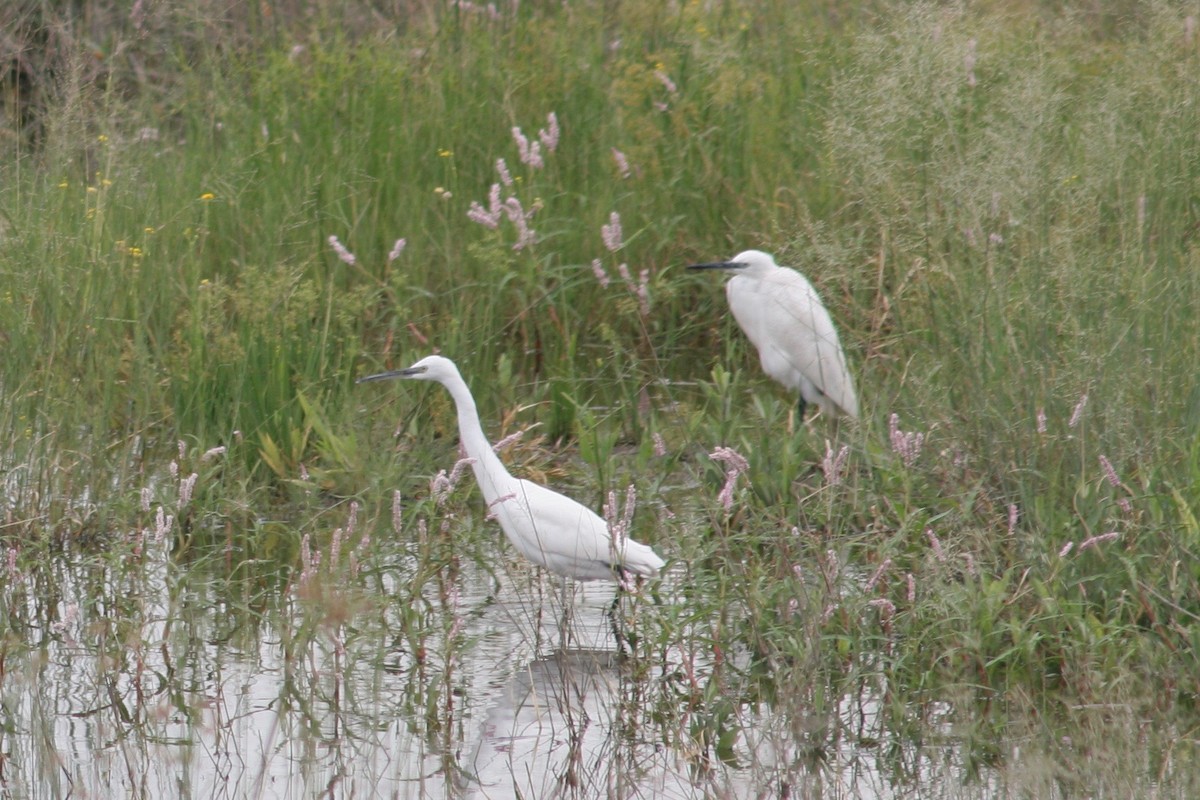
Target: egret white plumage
546 527
783 317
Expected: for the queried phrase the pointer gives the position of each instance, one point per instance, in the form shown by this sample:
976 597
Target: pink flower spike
623 271
612 234
505 176
600 273
1066 548
887 609
478 214
1078 412
1095 540
936 544
879 572
735 465
505 443
439 487
549 135
529 152
522 143
643 292
340 249
491 512
727 455
397 249
905 444
832 465
622 163
1109 472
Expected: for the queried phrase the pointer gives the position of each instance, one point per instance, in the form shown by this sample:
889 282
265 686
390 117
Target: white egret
546 527
784 318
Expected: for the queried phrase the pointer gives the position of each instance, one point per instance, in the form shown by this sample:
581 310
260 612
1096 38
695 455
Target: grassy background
997 201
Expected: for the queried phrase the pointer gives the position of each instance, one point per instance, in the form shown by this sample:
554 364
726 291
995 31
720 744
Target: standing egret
784 318
548 528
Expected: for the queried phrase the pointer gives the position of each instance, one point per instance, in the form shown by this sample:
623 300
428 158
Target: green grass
997 202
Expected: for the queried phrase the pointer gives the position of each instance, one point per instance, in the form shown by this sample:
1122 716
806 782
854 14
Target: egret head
430 368
750 262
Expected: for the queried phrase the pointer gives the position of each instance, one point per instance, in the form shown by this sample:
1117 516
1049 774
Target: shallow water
157 682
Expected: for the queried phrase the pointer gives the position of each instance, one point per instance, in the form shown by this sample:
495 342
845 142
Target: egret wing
555 531
786 321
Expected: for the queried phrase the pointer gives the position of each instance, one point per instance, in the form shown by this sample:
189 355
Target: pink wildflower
735 465
612 234
622 163
620 523
936 544
529 152
340 249
335 546
832 465
491 513
548 136
879 572
396 250
601 274
163 523
505 176
907 445
488 217
887 609
1109 472
185 489
520 219
1078 412
1100 539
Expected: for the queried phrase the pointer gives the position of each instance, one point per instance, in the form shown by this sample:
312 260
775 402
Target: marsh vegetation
230 572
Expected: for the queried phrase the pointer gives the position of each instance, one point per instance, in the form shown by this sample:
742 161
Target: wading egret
784 318
546 527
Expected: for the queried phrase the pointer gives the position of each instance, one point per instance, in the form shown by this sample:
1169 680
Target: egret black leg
618 634
564 622
614 612
801 407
